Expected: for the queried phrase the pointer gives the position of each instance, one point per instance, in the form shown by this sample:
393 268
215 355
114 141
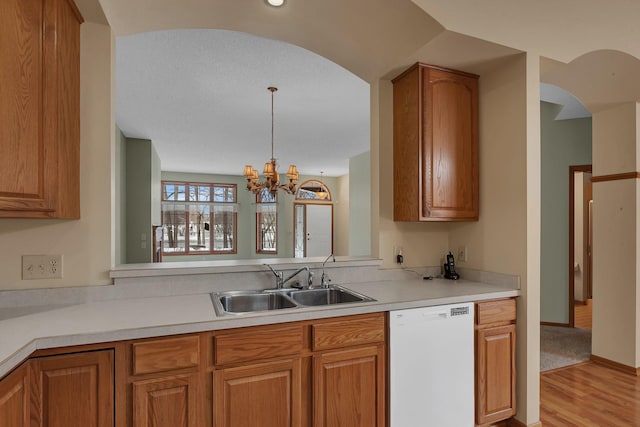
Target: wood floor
588 395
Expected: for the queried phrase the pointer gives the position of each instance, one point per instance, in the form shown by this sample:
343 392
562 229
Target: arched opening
198 99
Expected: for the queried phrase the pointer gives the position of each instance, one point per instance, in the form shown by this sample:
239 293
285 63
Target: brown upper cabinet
40 109
435 145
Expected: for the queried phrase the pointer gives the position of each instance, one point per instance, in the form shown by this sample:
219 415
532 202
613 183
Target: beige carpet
561 346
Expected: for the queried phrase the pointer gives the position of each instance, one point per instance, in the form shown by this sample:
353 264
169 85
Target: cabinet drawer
165 355
344 333
499 311
258 344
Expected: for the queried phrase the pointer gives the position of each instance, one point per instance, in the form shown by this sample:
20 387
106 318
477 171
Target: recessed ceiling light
275 3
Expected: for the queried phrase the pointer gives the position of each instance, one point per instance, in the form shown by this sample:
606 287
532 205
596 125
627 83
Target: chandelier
271 176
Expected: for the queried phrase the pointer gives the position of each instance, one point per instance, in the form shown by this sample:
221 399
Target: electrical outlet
41 267
462 253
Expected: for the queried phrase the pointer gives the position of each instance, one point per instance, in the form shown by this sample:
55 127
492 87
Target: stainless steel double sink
242 302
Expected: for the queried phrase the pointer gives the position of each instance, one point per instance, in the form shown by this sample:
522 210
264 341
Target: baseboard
512 422
561 368
616 365
566 325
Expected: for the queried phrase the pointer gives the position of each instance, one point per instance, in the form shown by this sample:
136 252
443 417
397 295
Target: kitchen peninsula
128 318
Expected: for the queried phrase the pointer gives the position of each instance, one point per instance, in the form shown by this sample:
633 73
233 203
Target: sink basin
251 301
327 296
243 302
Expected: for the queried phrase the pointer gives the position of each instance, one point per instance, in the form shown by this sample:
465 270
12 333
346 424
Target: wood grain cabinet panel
348 332
495 361
500 311
349 388
435 145
14 398
73 390
258 343
265 395
166 402
40 109
165 354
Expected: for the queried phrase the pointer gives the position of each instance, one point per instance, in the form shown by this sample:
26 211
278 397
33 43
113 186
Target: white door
318 221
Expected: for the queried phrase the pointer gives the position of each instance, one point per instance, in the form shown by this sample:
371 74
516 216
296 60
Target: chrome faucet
309 276
279 275
280 280
324 280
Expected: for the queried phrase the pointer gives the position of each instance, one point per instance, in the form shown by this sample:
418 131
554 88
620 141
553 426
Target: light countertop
132 318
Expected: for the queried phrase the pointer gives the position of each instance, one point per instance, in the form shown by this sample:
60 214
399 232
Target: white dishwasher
431 366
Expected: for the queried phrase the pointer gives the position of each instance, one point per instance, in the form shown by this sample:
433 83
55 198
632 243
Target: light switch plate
462 253
41 267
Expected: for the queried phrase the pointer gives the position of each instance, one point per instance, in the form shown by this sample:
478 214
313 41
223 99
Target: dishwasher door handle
438 315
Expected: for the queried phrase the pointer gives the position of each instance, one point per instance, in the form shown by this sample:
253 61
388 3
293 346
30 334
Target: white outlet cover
36 267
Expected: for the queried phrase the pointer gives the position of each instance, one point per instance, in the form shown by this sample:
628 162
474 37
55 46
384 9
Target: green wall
121 199
360 204
142 198
564 143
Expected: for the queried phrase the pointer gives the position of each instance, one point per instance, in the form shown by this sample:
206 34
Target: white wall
85 244
506 237
615 236
423 244
341 223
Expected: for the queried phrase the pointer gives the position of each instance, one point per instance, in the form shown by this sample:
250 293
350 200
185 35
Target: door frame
572 171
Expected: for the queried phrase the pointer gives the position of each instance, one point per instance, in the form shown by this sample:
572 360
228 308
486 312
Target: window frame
259 221
188 203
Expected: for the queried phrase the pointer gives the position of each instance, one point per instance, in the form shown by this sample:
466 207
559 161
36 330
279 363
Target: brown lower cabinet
72 390
322 373
14 398
349 388
166 402
159 382
263 394
495 361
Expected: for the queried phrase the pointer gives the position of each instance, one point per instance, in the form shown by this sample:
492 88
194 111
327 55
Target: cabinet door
39 109
265 395
14 399
73 390
450 154
23 152
349 388
496 374
166 402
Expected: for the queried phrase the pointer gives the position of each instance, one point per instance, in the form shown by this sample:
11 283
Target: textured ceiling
201 96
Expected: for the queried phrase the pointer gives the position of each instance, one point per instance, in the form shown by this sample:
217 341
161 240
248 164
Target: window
199 218
266 222
313 190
